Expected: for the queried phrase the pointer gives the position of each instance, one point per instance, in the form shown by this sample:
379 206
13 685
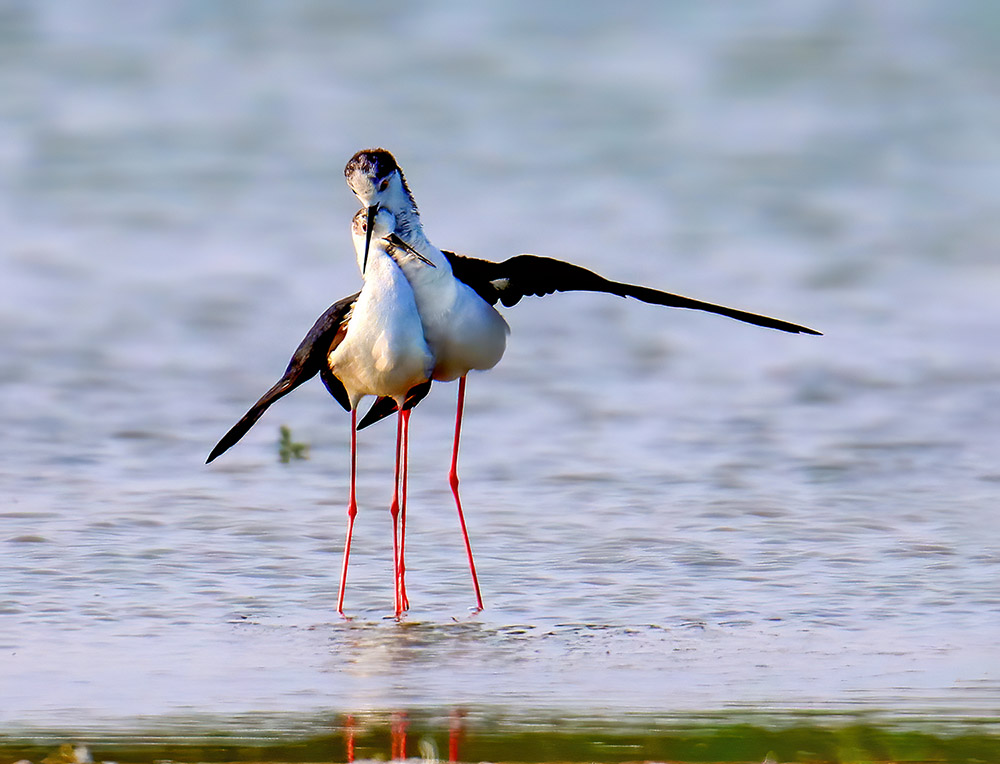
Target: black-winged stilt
450 298
455 298
371 343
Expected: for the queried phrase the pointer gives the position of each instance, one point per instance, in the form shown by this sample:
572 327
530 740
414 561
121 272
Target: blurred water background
671 512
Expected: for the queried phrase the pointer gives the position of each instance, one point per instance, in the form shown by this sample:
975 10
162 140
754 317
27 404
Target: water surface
671 512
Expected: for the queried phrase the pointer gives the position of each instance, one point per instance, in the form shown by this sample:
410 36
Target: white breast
463 331
384 351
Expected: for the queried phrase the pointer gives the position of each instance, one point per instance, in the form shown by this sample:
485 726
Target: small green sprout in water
288 450
68 754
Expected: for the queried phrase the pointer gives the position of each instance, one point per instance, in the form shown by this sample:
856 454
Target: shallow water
671 512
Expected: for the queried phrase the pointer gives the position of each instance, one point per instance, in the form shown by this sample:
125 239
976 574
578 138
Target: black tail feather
238 430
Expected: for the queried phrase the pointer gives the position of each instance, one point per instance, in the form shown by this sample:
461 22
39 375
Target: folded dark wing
531 275
308 359
383 406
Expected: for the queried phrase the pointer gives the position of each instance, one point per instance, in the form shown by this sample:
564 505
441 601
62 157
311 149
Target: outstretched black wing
532 275
536 276
307 360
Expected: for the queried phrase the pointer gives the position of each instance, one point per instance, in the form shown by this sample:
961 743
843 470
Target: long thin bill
372 211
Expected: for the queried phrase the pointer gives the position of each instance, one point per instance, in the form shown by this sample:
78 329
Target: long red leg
352 508
403 601
394 511
453 480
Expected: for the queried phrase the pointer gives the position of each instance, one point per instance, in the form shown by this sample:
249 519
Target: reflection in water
456 731
398 729
349 736
399 723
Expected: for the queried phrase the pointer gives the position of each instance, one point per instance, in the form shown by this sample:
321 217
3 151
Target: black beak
397 242
372 211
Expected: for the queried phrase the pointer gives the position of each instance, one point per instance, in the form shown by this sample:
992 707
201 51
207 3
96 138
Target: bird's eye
383 185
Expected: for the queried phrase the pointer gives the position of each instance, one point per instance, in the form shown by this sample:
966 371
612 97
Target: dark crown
377 164
374 163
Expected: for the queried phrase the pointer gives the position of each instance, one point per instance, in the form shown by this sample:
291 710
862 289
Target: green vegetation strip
471 738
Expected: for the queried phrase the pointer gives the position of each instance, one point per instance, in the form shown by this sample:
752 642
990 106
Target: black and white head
376 180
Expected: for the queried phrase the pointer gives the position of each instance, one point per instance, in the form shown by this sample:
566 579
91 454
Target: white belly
471 335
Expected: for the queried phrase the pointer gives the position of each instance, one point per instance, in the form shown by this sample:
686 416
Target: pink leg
453 480
394 511
403 601
352 508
